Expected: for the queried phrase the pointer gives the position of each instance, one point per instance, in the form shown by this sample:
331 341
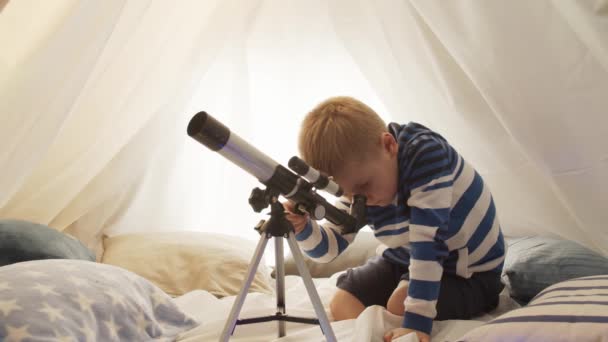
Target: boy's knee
395 308
395 304
344 305
338 301
333 305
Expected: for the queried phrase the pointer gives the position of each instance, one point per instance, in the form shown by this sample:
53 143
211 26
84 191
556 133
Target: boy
431 209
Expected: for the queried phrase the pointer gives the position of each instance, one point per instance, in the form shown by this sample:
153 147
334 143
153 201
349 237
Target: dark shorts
459 298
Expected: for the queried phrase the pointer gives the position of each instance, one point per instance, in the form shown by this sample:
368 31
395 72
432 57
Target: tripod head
278 179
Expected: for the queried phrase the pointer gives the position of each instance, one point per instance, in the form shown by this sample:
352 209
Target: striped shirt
443 219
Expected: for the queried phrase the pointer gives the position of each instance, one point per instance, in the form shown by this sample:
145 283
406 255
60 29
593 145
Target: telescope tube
217 137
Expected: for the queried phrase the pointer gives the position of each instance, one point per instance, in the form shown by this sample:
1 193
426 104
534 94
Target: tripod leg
310 288
280 276
240 299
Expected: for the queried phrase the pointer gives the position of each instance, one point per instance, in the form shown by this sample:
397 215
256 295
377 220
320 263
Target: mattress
371 325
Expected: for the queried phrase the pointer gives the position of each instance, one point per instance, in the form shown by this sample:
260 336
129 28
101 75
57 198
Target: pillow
75 300
180 262
533 263
356 254
573 310
24 241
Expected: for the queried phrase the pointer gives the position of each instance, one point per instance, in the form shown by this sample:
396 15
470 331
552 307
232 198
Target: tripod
279 228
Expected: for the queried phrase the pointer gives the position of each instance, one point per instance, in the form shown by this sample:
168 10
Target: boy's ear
389 143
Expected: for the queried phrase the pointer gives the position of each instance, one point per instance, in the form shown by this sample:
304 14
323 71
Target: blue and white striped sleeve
323 243
430 181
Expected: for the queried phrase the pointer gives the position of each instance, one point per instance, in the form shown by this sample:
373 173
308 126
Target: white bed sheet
370 326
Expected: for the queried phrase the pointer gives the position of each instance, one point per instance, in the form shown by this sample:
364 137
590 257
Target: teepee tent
95 97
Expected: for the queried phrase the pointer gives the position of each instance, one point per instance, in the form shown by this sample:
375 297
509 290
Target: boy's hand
298 221
398 332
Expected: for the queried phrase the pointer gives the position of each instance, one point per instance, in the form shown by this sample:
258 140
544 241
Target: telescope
299 187
217 137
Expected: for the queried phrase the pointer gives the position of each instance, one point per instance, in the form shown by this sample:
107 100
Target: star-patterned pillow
75 300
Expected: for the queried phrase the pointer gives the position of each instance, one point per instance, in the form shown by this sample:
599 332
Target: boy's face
375 177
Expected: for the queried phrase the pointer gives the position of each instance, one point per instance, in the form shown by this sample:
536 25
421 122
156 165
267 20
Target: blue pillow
535 263
573 310
25 241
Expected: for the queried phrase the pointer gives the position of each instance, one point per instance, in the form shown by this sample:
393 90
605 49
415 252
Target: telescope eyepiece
320 180
298 165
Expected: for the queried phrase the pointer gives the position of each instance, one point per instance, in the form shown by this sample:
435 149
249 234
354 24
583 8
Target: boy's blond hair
339 130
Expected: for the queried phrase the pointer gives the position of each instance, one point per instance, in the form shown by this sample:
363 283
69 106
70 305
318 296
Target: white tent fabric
95 98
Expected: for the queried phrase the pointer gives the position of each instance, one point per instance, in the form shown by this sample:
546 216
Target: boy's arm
323 243
431 181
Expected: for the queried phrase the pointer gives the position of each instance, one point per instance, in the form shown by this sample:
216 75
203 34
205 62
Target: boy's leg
396 301
367 285
345 306
461 298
